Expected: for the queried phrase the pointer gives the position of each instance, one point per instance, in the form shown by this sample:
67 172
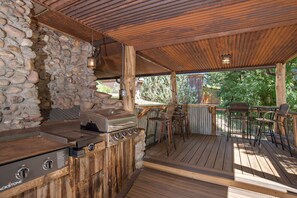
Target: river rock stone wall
139 149
18 94
41 69
65 80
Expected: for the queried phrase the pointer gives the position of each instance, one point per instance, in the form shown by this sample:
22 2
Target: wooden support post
173 88
129 78
213 111
280 84
295 130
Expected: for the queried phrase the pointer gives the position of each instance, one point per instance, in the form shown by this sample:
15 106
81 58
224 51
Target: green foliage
103 88
185 93
255 87
291 84
158 89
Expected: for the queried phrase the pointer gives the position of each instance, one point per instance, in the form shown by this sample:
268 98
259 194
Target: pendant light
91 63
226 59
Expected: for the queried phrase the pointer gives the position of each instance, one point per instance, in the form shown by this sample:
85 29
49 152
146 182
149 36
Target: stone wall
65 80
139 149
41 69
18 93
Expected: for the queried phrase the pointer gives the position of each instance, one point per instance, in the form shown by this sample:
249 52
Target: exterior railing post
213 120
295 129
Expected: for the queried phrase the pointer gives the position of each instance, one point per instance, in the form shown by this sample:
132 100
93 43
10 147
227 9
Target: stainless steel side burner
79 139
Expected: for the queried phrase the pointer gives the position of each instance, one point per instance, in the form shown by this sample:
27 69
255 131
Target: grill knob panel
22 173
48 164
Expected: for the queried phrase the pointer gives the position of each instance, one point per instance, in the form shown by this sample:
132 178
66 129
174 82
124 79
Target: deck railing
211 120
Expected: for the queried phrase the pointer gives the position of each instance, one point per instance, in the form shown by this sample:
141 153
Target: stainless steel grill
107 120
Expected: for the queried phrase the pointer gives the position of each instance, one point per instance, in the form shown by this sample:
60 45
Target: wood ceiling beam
68 22
213 35
104 41
253 67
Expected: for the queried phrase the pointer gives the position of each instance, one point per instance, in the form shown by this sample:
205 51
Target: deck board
212 158
188 156
219 164
184 150
206 153
200 150
229 156
152 183
234 156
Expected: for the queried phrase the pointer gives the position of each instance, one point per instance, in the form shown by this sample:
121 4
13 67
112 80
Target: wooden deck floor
155 184
234 156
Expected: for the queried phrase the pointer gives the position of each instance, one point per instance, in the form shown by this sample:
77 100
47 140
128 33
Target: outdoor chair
279 119
180 120
153 116
165 119
239 111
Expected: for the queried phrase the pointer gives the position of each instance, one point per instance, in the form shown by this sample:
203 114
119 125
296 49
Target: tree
256 87
158 89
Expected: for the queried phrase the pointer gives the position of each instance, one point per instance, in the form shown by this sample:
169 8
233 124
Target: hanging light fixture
226 59
91 63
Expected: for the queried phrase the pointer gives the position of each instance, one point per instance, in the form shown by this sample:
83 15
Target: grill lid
109 120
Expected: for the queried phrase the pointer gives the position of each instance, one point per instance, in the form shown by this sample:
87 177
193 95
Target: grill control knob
130 131
48 164
124 133
22 173
91 146
116 137
135 130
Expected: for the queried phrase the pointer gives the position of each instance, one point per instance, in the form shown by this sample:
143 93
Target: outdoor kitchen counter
102 172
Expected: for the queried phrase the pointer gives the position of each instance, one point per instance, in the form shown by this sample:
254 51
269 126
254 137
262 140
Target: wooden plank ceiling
186 35
250 49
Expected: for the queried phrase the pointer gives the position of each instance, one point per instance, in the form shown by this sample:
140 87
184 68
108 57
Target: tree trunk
129 78
173 88
280 84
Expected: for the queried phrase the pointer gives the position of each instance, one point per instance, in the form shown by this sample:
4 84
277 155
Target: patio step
223 178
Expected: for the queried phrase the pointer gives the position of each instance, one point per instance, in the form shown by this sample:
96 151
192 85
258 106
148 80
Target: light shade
226 59
91 62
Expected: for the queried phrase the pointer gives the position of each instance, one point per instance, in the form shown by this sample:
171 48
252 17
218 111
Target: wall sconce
226 59
91 61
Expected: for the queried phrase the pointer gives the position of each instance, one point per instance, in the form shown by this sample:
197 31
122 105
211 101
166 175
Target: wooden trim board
241 183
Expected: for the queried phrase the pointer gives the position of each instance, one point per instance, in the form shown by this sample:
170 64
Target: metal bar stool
180 118
280 119
164 118
238 111
153 115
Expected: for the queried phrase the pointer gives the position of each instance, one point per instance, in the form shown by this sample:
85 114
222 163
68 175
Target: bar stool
165 119
238 111
180 117
153 115
280 119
